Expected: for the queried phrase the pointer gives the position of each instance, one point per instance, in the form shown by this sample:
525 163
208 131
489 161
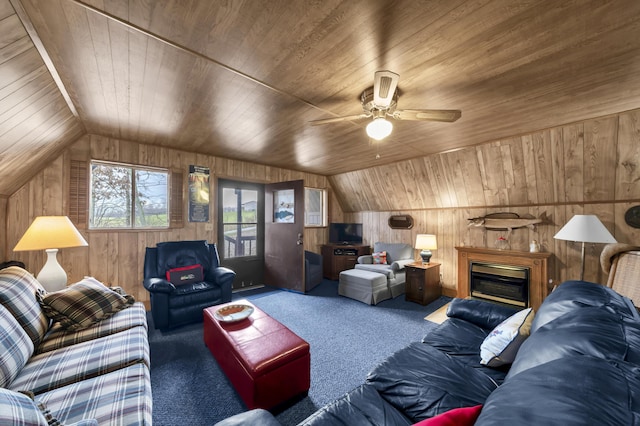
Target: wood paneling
117 257
243 79
588 167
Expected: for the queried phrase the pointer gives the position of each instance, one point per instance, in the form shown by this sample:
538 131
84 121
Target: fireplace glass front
500 283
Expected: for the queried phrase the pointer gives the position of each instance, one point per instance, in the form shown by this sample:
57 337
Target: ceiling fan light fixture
379 128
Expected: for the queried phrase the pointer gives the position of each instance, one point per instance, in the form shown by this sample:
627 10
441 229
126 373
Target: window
128 197
315 207
240 221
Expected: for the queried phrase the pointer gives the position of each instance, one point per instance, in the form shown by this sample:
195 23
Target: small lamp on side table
426 243
50 233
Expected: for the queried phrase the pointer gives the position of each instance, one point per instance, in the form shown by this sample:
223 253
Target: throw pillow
83 304
465 416
501 345
185 274
380 258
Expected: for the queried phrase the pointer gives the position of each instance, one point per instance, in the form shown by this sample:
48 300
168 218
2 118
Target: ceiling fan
381 101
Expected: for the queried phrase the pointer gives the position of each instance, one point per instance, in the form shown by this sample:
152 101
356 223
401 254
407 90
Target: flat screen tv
345 233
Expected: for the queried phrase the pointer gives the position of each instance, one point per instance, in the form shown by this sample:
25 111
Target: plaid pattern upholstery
83 304
18 290
122 397
59 337
85 360
15 347
18 409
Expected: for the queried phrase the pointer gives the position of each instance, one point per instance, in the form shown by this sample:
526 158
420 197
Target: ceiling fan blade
445 115
337 119
384 87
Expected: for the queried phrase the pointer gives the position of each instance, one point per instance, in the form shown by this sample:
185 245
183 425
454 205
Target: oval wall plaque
403 221
632 217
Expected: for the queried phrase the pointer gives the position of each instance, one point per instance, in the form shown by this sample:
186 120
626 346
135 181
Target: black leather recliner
174 305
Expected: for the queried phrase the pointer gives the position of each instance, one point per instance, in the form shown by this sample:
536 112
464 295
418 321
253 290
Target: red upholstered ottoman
266 362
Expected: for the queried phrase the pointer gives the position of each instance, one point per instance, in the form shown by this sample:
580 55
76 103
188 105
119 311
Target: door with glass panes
241 230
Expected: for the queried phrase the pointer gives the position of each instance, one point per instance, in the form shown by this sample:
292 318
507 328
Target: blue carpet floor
347 339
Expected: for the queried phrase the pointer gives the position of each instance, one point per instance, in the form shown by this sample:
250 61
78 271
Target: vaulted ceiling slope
242 79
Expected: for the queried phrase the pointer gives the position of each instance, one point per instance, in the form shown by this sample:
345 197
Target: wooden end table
422 282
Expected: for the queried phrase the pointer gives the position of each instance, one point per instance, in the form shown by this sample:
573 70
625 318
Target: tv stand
340 257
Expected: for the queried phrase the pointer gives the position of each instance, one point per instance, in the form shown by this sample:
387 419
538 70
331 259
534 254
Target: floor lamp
585 228
50 233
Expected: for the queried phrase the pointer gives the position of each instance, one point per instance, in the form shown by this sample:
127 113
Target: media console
338 257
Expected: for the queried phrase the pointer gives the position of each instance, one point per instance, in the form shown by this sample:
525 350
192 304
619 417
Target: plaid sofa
50 374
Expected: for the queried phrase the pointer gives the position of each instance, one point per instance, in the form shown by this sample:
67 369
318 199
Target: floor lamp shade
585 228
51 233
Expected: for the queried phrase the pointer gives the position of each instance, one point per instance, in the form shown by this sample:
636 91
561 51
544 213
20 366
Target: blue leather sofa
172 304
580 365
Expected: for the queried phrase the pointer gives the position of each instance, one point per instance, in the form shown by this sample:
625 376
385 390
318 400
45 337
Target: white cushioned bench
364 286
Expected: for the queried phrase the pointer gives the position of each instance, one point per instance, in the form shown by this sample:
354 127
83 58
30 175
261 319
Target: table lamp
426 243
50 233
585 228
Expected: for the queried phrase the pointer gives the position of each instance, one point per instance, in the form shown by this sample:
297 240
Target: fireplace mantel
536 262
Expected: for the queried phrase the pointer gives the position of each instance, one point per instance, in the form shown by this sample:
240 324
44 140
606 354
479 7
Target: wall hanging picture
198 194
283 206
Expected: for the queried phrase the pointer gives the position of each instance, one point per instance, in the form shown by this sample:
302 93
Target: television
345 233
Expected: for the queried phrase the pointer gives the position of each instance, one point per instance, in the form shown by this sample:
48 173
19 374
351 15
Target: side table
423 282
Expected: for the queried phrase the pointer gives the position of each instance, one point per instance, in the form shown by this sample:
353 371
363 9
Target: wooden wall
590 167
116 257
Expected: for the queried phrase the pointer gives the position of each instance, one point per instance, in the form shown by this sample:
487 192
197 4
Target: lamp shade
585 228
379 128
49 232
426 242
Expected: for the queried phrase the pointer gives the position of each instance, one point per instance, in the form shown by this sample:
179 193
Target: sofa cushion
572 295
15 347
422 381
595 331
395 251
362 406
462 339
18 409
59 337
121 397
484 314
380 269
83 304
501 345
18 290
578 390
67 365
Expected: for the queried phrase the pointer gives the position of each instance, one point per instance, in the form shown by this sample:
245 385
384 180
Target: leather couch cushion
422 382
578 391
362 406
578 294
593 331
174 254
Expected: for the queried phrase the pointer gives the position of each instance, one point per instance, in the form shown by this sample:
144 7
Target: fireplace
535 263
500 283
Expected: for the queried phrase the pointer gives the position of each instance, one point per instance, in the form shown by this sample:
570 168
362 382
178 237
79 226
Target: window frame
134 168
324 208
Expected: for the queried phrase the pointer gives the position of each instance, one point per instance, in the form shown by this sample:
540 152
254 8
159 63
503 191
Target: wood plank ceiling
242 79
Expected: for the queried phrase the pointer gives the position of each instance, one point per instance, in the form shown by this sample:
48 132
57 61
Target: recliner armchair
174 304
312 269
397 256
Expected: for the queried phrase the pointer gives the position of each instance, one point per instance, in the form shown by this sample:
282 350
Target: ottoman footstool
364 286
265 362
